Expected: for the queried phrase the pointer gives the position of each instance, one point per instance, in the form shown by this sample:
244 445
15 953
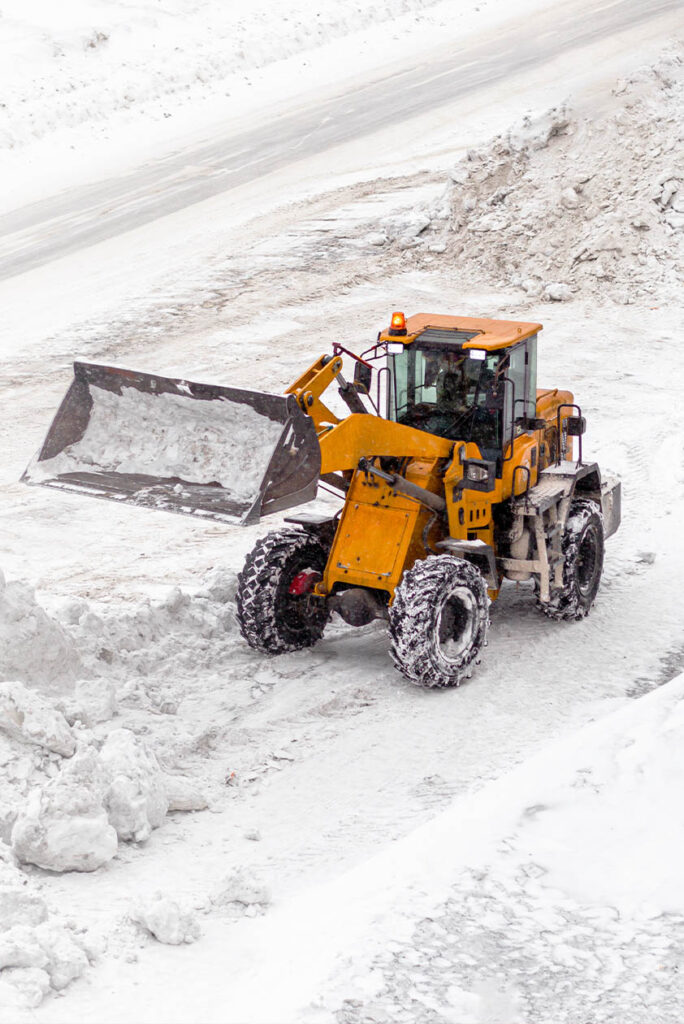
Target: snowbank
71 786
87 63
565 204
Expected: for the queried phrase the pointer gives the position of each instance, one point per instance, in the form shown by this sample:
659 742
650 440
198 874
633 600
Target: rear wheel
582 562
438 621
276 609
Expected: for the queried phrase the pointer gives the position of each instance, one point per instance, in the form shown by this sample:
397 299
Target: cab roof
487 334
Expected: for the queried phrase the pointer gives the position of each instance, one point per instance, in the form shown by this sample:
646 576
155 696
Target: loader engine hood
201 449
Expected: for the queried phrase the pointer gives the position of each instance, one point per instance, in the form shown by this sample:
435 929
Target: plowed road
45 230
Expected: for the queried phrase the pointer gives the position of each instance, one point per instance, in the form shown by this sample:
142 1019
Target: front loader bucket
202 449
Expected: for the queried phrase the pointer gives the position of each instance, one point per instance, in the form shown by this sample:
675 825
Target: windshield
444 392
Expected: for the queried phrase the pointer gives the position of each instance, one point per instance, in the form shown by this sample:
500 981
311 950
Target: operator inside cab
442 389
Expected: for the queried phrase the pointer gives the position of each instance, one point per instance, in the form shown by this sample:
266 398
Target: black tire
271 619
438 621
582 547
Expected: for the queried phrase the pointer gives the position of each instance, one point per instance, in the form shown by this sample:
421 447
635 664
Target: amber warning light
398 324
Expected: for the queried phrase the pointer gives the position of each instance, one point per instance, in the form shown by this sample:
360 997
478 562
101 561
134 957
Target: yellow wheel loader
454 470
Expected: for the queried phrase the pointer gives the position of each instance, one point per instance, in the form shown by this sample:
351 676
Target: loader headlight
477 473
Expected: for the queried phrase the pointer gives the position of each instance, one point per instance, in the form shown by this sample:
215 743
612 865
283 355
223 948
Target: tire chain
257 591
412 614
565 603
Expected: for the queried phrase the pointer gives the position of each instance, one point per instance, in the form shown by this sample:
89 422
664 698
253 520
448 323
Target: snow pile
71 787
168 436
153 640
38 953
563 204
74 821
64 825
33 648
164 919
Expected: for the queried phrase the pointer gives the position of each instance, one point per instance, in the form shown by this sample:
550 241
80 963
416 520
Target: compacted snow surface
192 831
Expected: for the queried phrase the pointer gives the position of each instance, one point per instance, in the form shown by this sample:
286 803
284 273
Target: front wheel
276 609
438 621
582 562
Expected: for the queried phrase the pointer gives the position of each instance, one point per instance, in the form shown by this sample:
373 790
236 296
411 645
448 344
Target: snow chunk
18 907
490 222
49 951
93 701
26 717
164 919
64 826
182 795
33 648
557 292
569 198
243 894
23 986
136 797
537 132
66 958
19 947
459 174
219 585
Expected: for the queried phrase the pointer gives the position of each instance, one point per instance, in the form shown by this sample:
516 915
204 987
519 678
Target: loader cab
463 394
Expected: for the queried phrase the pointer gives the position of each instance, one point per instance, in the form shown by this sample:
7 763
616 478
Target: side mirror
363 375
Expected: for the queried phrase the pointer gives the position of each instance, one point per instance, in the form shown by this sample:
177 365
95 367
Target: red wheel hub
304 582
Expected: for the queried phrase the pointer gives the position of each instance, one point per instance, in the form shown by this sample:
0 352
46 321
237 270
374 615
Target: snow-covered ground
311 838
